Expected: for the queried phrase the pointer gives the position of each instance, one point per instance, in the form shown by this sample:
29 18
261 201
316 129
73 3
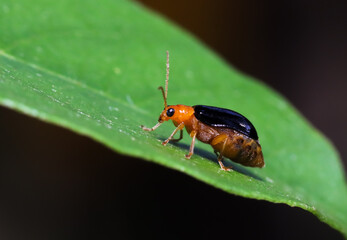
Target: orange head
177 113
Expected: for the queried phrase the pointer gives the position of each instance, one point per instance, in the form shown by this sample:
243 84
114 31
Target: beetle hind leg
217 140
216 152
219 159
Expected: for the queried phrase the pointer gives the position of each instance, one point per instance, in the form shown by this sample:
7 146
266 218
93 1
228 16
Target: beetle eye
170 112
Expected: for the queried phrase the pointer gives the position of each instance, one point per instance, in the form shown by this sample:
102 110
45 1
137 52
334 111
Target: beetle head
177 113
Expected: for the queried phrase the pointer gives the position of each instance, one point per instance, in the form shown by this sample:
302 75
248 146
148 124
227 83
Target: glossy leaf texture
94 67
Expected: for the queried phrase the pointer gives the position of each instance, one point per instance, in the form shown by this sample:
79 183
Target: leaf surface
94 66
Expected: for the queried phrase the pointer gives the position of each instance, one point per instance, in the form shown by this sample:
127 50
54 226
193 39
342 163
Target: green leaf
94 66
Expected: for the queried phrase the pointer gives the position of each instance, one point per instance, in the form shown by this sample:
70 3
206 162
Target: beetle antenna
166 81
167 73
162 90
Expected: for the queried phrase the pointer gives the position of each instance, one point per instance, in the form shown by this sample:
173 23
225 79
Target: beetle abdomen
230 143
225 118
240 148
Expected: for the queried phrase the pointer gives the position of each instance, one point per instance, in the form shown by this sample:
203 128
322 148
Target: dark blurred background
57 185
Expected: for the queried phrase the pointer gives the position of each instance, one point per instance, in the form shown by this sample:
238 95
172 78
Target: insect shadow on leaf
212 157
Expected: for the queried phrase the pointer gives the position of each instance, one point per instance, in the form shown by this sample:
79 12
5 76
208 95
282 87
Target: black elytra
221 117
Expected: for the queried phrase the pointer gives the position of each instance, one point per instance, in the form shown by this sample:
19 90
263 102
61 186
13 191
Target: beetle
230 134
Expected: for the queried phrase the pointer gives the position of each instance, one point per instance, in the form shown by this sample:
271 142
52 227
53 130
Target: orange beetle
229 133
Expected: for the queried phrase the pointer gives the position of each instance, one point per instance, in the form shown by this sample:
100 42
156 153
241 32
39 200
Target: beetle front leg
179 127
151 129
178 139
191 149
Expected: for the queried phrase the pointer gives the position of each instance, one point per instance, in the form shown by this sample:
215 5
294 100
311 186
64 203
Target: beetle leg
179 127
221 138
216 152
220 157
191 149
224 168
178 139
151 129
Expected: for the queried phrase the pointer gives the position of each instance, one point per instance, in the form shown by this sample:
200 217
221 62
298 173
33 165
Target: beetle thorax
183 113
